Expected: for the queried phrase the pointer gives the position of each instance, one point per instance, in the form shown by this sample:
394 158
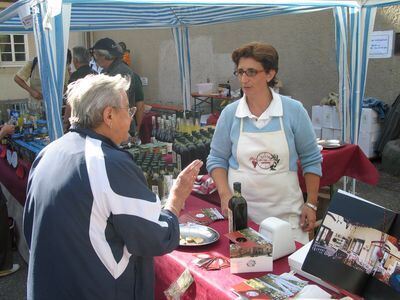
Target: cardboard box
369 128
337 134
327 114
335 119
318 132
316 115
330 117
369 121
369 115
368 142
327 133
249 252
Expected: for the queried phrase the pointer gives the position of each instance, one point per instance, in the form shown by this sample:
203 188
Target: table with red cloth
215 284
16 185
348 160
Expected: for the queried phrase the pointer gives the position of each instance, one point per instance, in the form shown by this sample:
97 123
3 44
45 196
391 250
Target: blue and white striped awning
89 15
116 15
92 15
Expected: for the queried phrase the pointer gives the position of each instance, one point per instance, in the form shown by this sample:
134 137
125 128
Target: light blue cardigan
299 135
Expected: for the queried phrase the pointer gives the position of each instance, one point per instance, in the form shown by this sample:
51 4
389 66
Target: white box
318 132
369 149
250 252
370 127
369 115
327 114
368 143
330 117
327 133
205 88
369 121
296 261
316 115
337 134
335 119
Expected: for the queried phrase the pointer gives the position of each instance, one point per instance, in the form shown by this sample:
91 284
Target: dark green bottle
237 210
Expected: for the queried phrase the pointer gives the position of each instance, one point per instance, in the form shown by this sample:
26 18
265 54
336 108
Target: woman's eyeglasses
131 110
249 72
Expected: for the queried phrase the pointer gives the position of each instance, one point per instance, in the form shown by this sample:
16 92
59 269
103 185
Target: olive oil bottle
237 209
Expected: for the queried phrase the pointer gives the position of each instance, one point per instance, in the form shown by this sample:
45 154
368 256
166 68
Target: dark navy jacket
91 223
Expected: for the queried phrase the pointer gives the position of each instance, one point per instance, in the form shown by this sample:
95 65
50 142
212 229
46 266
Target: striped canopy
53 19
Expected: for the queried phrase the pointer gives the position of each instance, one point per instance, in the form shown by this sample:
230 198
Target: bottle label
167 184
179 162
230 220
154 189
169 147
173 157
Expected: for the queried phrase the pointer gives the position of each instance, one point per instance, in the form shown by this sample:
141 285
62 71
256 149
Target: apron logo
265 160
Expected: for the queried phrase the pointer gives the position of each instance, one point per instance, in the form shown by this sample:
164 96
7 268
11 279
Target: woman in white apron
257 142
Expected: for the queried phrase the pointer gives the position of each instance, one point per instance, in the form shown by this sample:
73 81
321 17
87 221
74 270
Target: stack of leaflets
270 286
203 216
211 262
357 248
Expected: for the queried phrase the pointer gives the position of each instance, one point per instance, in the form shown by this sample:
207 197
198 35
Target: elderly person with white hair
91 223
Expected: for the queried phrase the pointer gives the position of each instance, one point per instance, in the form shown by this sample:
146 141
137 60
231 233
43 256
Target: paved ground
386 193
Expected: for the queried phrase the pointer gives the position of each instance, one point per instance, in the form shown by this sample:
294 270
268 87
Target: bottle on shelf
237 209
153 130
228 86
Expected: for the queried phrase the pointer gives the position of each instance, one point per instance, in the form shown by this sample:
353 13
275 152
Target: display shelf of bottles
184 138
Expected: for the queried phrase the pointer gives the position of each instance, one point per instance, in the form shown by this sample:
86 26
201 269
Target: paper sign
381 44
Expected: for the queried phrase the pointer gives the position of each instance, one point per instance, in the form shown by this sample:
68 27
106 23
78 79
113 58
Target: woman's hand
183 187
307 218
224 203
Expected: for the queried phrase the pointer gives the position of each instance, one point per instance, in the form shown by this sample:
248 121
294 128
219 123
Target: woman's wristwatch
312 206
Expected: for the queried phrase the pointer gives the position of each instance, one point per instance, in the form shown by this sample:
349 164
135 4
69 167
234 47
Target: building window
13 49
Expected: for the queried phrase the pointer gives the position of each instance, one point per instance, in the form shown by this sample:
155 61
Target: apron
269 187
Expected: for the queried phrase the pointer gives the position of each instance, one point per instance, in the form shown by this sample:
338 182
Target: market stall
53 20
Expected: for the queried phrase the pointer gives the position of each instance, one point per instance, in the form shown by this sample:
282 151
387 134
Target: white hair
89 96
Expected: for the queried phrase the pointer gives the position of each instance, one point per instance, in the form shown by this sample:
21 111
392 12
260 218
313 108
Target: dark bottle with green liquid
237 210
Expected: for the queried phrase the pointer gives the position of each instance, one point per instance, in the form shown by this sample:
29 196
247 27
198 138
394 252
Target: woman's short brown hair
263 53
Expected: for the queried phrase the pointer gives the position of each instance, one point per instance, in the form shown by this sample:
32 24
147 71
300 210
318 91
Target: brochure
270 286
357 248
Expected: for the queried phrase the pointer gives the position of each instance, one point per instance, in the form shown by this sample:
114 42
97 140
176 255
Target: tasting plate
192 234
331 144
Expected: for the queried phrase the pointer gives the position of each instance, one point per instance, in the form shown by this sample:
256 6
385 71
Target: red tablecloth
8 177
348 160
345 161
207 284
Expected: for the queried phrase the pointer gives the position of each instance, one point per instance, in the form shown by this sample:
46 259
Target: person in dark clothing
80 59
93 232
391 127
108 55
6 264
